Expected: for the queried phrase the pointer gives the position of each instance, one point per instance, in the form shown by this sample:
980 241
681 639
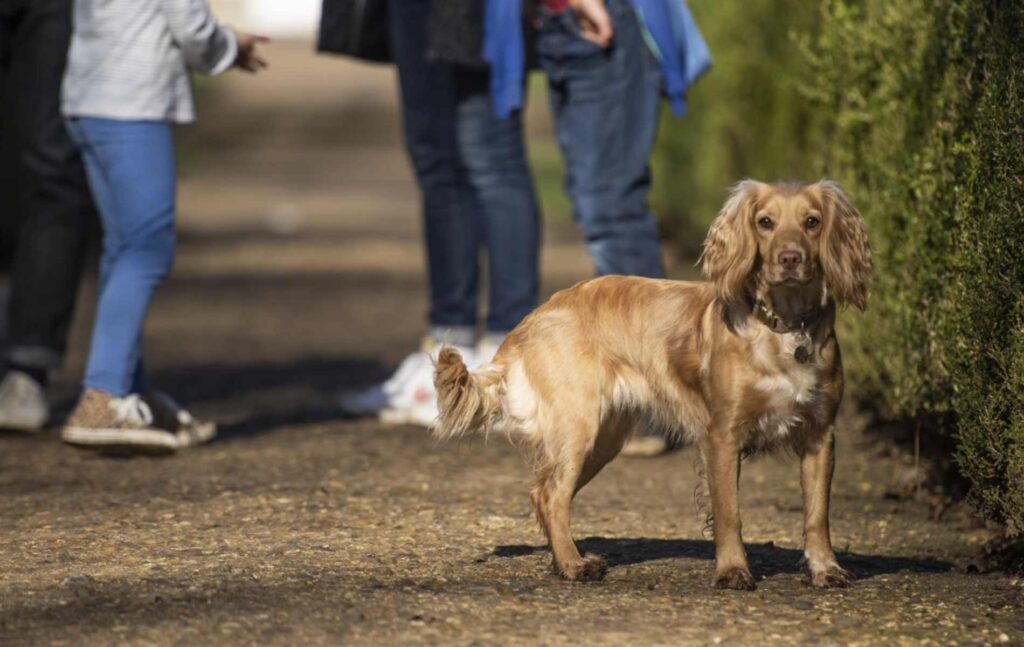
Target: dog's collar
801 325
779 324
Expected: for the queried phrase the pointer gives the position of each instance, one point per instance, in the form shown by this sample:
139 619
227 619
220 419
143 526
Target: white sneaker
371 401
408 397
487 348
23 404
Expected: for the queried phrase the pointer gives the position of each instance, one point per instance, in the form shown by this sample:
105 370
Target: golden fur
607 356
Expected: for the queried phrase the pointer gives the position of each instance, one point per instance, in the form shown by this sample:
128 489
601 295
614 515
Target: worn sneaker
117 425
169 415
23 404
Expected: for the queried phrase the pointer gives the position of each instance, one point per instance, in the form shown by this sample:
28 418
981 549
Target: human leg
54 208
606 104
451 228
495 159
451 223
48 207
131 170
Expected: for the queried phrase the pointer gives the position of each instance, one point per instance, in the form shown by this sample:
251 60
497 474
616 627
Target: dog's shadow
766 559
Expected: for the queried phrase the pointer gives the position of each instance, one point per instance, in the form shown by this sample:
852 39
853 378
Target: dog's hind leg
609 442
552 498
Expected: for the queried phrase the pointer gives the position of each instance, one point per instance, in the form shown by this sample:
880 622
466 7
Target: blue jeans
606 104
476 185
131 170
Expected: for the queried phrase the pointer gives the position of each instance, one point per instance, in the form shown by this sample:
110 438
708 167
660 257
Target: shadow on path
766 559
301 392
269 395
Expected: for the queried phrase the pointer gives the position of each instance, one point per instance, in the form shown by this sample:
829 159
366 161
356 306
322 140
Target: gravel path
301 272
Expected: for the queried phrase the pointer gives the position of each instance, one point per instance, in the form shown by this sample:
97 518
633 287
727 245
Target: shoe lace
133 409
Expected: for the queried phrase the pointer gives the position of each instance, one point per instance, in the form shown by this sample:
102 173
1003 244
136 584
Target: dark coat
457 31
359 28
356 28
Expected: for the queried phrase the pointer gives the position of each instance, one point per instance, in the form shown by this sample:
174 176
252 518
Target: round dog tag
802 353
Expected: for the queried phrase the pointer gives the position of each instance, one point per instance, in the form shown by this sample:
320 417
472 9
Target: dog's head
788 234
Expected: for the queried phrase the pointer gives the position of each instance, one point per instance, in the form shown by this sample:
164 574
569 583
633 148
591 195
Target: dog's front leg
817 463
722 458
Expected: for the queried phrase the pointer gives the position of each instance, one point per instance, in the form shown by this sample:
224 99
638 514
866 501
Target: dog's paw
592 568
735 578
595 567
832 577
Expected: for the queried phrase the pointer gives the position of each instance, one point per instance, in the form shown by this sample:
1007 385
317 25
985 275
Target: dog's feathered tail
466 401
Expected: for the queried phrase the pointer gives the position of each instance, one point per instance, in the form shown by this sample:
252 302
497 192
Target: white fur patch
629 394
520 400
789 386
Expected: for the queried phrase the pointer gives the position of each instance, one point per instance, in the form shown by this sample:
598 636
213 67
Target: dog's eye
812 222
765 223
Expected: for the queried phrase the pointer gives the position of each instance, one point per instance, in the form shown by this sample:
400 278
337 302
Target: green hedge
917 107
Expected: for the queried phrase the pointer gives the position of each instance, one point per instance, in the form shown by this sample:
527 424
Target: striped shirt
131 59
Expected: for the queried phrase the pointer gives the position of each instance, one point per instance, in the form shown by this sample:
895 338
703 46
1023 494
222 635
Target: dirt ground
301 273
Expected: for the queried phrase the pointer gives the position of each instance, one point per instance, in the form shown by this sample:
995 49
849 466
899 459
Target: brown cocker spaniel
745 362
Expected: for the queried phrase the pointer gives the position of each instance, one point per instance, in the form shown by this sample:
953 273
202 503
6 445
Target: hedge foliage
917 108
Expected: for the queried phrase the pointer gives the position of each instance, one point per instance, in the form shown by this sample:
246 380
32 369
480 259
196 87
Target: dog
743 363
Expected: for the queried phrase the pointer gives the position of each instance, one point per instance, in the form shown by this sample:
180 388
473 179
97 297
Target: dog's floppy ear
845 252
730 249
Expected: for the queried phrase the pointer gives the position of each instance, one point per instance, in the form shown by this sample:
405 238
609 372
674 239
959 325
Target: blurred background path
301 272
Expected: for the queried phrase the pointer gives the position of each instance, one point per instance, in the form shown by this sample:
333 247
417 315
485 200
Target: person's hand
594 19
248 58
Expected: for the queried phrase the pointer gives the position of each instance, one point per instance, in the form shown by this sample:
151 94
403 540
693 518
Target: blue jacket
676 42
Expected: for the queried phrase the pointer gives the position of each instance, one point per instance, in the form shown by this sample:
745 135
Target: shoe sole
200 434
400 417
121 441
645 447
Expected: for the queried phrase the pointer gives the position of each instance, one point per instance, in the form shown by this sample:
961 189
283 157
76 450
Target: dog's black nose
790 259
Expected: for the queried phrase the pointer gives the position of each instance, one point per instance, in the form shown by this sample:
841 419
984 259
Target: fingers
595 23
253 63
249 59
598 32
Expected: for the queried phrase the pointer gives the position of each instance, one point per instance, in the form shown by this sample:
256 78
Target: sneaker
168 414
487 348
377 398
415 400
648 444
23 404
117 425
408 397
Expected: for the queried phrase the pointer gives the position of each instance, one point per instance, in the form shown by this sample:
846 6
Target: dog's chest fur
787 391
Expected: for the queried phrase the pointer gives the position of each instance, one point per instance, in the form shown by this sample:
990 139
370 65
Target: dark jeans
606 104
476 186
47 213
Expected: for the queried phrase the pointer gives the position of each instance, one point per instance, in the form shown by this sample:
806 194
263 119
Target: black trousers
46 212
